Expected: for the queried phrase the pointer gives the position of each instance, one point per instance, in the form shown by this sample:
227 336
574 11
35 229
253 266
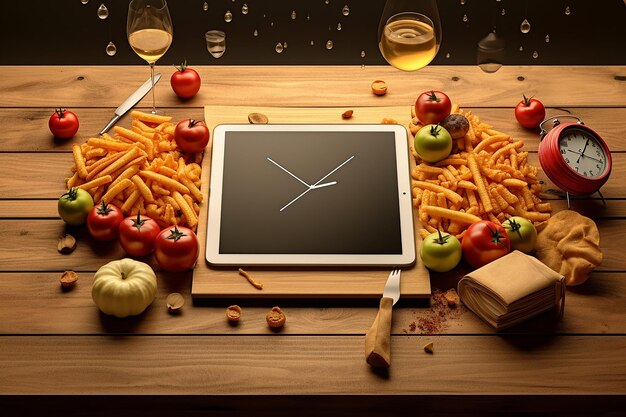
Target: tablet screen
307 192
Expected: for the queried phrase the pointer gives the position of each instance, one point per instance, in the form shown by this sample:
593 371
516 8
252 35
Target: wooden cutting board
212 282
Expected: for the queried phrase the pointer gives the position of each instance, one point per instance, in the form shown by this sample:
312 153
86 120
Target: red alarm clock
574 157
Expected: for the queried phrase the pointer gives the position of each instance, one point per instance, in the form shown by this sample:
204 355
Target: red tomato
176 249
191 136
104 221
530 112
63 124
484 241
137 235
185 81
431 107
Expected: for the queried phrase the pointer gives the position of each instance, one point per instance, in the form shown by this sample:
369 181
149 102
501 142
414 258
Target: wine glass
150 32
409 33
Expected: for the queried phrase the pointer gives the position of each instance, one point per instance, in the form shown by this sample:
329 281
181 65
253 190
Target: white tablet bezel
407 229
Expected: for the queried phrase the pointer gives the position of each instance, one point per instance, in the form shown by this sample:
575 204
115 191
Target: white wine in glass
408 41
150 32
409 33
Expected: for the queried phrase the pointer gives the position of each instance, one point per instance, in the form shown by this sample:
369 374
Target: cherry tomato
176 249
431 107
440 252
74 206
185 81
484 241
530 112
191 136
63 124
104 221
137 235
522 234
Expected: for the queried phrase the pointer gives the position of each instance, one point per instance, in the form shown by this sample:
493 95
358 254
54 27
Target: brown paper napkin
512 289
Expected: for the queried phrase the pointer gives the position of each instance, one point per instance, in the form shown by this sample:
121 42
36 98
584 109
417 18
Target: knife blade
130 102
378 337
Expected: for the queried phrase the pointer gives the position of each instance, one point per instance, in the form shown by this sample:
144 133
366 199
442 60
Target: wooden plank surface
92 86
223 365
73 312
57 342
26 129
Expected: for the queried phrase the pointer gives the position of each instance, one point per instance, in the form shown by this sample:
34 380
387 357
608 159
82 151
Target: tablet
310 195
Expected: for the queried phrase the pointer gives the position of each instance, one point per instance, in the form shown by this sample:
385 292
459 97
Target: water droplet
362 54
338 26
462 2
547 38
346 10
84 1
568 11
279 48
312 43
521 48
272 24
329 44
524 27
205 6
308 17
244 9
255 33
264 15
448 55
362 66
103 12
503 12
228 16
535 54
285 45
110 49
326 1
490 53
293 15
498 1
465 19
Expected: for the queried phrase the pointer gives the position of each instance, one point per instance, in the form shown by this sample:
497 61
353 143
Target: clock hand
586 156
314 186
582 153
296 199
287 171
333 171
311 187
326 184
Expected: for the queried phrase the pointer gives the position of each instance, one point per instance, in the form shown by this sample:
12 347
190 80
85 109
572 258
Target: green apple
433 143
522 234
440 252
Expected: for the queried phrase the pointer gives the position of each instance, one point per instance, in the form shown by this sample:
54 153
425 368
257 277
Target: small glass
216 42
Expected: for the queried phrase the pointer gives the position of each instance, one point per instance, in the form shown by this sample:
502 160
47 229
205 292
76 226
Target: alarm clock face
582 152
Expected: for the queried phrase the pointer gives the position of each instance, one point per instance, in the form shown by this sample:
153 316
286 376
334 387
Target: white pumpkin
124 288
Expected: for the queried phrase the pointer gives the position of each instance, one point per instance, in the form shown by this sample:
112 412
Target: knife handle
378 337
108 126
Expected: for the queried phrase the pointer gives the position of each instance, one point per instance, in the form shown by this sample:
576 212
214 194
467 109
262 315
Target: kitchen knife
378 337
130 102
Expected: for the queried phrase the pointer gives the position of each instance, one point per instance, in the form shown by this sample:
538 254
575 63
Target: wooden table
55 342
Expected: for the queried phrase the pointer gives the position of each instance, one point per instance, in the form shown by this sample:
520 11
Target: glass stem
152 78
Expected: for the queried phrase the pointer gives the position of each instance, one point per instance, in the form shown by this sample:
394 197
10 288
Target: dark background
47 32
